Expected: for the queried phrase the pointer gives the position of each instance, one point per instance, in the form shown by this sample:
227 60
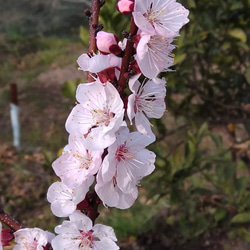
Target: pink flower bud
107 43
6 237
125 6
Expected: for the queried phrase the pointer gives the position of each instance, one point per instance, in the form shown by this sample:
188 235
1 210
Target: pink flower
79 233
98 115
154 54
107 43
126 163
112 196
77 163
160 17
64 200
98 63
146 101
125 6
107 67
31 238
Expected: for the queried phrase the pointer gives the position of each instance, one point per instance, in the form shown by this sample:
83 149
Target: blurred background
199 195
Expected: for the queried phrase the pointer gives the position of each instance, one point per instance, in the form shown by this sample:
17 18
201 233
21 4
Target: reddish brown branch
9 221
127 56
94 202
93 24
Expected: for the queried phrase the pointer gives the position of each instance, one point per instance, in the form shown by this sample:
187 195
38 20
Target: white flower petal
98 116
154 54
161 17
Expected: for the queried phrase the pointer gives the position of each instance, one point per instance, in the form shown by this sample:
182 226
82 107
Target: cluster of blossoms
104 154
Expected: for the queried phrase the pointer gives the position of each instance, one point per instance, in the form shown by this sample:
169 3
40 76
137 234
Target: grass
27 57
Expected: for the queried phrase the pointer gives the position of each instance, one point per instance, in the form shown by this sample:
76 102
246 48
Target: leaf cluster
212 62
201 187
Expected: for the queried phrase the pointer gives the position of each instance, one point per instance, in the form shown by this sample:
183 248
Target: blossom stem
9 221
94 202
127 56
92 212
93 24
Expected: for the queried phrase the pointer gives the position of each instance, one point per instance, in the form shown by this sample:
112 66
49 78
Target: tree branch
93 24
9 221
127 56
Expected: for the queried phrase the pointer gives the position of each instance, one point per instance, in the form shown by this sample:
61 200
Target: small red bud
87 13
125 6
6 236
107 43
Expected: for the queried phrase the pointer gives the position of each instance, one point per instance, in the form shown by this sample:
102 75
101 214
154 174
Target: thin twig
9 221
92 212
93 24
127 56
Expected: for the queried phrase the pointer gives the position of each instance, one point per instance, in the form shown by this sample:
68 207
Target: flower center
102 117
153 15
33 245
122 153
144 102
85 161
87 239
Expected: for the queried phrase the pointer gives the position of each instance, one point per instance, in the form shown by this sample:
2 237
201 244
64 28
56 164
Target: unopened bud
107 43
87 13
125 6
6 237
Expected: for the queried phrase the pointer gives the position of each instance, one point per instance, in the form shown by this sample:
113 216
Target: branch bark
9 221
93 24
92 212
127 56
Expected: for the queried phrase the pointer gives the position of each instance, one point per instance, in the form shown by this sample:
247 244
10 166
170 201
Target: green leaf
243 46
241 184
239 34
226 46
190 153
69 88
201 223
202 131
181 174
171 220
240 232
244 234
177 158
241 218
84 35
237 5
220 214
247 75
216 139
191 4
179 58
191 137
230 171
225 172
